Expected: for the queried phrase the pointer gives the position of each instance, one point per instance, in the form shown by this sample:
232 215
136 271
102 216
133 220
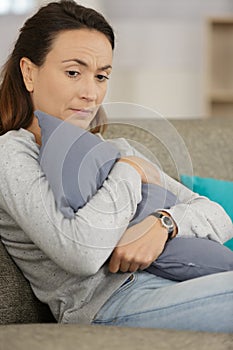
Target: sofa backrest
17 301
208 142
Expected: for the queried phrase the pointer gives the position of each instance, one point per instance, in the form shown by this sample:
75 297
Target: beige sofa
201 147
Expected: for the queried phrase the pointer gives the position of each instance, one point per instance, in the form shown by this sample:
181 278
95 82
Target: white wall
9 30
160 66
160 60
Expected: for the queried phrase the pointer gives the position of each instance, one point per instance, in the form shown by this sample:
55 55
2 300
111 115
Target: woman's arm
195 215
140 245
80 245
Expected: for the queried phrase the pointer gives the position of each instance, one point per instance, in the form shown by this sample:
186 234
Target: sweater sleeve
80 245
195 215
198 216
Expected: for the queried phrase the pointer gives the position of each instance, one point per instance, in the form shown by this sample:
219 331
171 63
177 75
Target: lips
84 112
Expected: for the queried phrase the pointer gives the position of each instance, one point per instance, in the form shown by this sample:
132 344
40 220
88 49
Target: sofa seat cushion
82 337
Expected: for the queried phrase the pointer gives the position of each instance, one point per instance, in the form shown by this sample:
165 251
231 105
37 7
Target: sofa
201 147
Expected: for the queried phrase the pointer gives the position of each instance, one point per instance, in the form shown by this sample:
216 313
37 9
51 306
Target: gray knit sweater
65 260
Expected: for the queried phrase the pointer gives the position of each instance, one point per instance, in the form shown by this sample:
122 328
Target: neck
35 130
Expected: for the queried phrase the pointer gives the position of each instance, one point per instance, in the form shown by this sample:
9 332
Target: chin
81 124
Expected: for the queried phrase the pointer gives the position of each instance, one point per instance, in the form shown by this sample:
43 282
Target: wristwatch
166 222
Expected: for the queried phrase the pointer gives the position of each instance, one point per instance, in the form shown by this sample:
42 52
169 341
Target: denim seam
118 318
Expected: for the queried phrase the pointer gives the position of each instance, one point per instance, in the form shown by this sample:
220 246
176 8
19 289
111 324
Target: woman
61 66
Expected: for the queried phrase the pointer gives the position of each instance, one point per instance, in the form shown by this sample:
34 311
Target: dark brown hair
34 42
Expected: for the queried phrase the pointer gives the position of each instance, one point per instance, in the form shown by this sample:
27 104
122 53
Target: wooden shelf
220 66
220 20
223 96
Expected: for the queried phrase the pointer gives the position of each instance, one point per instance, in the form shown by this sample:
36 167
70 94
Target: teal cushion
219 191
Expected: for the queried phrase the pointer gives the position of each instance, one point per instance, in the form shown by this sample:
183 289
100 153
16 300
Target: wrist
158 230
175 228
167 223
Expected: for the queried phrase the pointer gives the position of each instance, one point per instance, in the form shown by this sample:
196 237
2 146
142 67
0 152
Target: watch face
167 221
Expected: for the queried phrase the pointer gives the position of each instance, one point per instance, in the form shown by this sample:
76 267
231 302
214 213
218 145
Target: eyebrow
82 63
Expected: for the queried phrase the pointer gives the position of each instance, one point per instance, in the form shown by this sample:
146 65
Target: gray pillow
191 257
76 163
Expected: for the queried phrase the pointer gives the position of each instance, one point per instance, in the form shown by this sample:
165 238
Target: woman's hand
140 245
148 171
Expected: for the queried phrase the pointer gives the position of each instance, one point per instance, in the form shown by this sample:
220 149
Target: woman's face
74 76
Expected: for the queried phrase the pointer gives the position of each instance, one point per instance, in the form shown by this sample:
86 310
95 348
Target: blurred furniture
219 94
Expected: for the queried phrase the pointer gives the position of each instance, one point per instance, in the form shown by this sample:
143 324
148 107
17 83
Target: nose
88 90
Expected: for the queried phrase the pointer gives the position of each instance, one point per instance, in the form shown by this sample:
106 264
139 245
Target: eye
72 73
102 77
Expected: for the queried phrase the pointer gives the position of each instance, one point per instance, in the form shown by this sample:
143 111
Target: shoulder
123 146
16 141
17 150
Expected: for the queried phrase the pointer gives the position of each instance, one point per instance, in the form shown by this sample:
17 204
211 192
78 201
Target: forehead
70 43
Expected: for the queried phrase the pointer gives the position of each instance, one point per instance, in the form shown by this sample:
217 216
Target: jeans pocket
105 313
126 284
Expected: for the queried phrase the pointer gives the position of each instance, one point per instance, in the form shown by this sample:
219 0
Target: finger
134 267
124 266
114 264
144 266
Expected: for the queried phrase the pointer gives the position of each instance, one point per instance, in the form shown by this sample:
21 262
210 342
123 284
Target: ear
27 70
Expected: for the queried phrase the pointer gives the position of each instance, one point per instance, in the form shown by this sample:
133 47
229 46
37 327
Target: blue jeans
200 304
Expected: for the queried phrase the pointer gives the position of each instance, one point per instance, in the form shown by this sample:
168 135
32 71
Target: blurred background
172 56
